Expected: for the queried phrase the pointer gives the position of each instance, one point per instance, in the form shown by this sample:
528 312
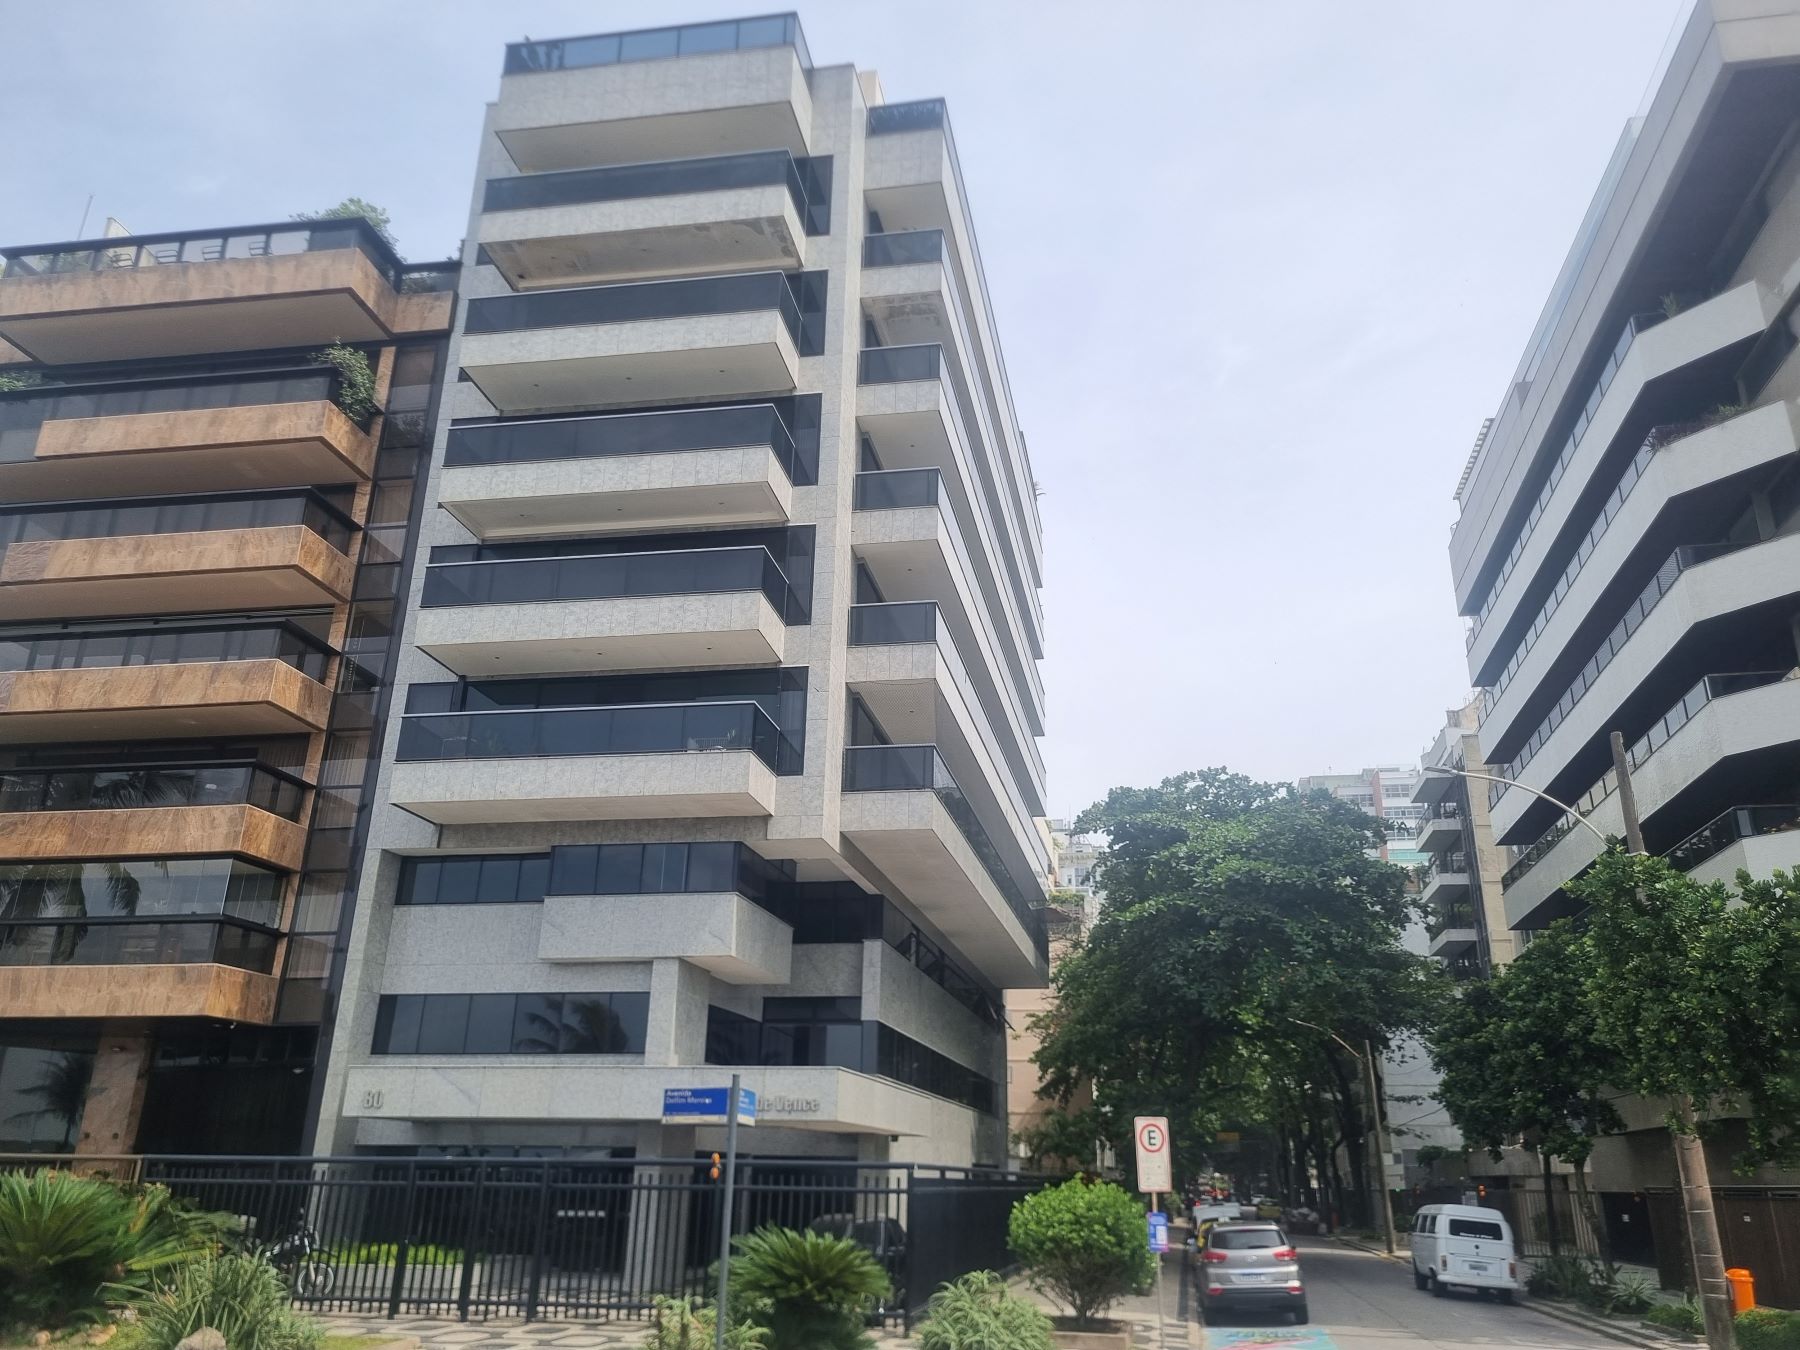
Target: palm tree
62 1088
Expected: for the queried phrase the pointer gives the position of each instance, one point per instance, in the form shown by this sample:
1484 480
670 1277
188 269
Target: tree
1236 913
1522 1059
355 208
1068 1138
1083 1243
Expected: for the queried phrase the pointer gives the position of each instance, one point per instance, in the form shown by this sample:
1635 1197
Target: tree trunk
1589 1210
1702 1228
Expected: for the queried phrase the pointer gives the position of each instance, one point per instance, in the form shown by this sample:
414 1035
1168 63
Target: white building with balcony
716 740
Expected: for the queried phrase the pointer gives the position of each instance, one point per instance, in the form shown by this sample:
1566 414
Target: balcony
1439 831
1756 839
715 213
622 762
168 941
670 609
217 991
163 555
731 465
152 811
1729 734
904 812
1445 879
644 342
193 433
1454 937
252 288
226 698
611 99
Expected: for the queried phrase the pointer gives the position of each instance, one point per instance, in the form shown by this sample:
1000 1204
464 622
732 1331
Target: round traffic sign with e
1151 1138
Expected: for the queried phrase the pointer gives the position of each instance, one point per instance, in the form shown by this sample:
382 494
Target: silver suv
1250 1267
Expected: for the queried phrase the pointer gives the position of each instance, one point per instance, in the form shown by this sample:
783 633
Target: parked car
1250 1266
1464 1247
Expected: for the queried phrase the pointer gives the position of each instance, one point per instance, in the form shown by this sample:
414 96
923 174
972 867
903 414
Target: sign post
1154 1176
730 1107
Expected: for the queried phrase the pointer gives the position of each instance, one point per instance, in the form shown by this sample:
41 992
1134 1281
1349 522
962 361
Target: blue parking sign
1159 1231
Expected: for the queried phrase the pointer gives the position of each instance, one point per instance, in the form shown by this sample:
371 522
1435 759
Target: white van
1464 1247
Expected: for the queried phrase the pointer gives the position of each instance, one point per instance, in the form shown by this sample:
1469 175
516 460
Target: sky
1260 271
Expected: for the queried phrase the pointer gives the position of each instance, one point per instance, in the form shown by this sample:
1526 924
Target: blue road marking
1268 1338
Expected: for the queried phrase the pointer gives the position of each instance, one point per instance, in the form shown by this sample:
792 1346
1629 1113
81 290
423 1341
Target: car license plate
1253 1277
1479 1267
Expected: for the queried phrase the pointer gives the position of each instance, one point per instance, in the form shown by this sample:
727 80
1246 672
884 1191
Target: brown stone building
203 520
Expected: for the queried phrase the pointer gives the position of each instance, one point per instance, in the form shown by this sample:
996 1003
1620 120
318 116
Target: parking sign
1152 1136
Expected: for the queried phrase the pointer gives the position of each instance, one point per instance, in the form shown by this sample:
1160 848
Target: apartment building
1385 792
1628 553
1460 880
717 750
208 446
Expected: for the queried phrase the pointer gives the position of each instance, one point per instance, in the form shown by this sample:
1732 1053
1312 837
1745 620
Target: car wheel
1419 1280
1437 1287
1505 1296
1300 1317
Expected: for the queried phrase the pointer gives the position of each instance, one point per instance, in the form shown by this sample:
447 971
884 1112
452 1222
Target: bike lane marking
1269 1338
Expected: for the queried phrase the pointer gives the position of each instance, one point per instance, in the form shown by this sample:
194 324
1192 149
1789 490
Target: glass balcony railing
606 576
898 365
798 296
657 44
135 787
201 940
1726 829
901 248
1640 609
607 434
1448 919
621 729
1615 502
163 646
1445 865
909 768
1636 324
896 489
197 514
889 119
23 412
1660 733
203 246
806 184
896 624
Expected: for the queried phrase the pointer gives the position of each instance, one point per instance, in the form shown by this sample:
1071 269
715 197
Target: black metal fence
559 1239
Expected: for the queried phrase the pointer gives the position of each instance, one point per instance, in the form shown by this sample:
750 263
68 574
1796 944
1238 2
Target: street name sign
706 1106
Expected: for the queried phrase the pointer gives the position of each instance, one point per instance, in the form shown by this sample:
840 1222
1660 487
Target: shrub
1632 1294
1767 1329
1684 1316
816 1290
244 1298
678 1324
1573 1277
978 1312
356 380
62 1237
1083 1244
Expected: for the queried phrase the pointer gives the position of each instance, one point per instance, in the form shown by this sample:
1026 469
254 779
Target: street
1363 1302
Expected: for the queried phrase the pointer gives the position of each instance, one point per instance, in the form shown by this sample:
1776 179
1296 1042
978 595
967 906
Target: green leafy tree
355 208
1084 1244
1068 1138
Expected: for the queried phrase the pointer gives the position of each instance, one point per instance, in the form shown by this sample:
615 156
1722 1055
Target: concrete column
115 1095
676 1027
662 1200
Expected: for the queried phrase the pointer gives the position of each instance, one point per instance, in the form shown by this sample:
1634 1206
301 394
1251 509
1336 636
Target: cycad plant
818 1289
65 1241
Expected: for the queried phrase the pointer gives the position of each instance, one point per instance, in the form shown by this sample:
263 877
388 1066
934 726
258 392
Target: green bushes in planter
978 1312
812 1291
1768 1329
356 381
1084 1244
66 1241
243 1298
1685 1316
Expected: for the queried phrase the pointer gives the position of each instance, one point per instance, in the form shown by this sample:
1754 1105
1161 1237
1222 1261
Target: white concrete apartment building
721 704
1628 553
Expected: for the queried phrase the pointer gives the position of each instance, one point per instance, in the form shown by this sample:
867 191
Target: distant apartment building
718 744
1385 792
1628 551
204 522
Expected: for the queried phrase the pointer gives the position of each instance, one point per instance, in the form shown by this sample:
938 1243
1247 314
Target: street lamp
1704 1248
1379 1175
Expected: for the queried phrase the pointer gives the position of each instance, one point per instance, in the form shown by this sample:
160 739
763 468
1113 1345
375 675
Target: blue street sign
706 1106
1159 1231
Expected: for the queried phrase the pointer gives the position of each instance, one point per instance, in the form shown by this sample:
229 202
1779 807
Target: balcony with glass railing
159 555
733 464
606 762
943 859
295 284
1445 878
1757 839
1440 828
644 341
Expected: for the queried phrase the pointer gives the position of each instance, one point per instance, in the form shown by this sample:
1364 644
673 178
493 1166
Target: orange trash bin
1743 1289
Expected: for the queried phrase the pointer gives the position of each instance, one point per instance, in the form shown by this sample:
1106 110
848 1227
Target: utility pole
1379 1135
1704 1247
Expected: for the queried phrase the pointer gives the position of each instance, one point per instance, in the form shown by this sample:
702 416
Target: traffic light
1480 1187
715 1167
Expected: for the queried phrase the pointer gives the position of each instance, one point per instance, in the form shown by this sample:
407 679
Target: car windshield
1244 1239
1475 1228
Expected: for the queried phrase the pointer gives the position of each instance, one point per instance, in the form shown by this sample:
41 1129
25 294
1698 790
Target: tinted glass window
1245 1239
1475 1228
445 1024
490 1024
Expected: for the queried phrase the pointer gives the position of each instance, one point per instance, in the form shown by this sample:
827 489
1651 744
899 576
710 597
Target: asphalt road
1364 1302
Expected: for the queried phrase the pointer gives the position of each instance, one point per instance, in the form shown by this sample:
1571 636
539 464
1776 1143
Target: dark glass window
504 878
445 1026
519 1024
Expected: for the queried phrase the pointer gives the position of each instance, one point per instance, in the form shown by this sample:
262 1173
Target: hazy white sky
1260 269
